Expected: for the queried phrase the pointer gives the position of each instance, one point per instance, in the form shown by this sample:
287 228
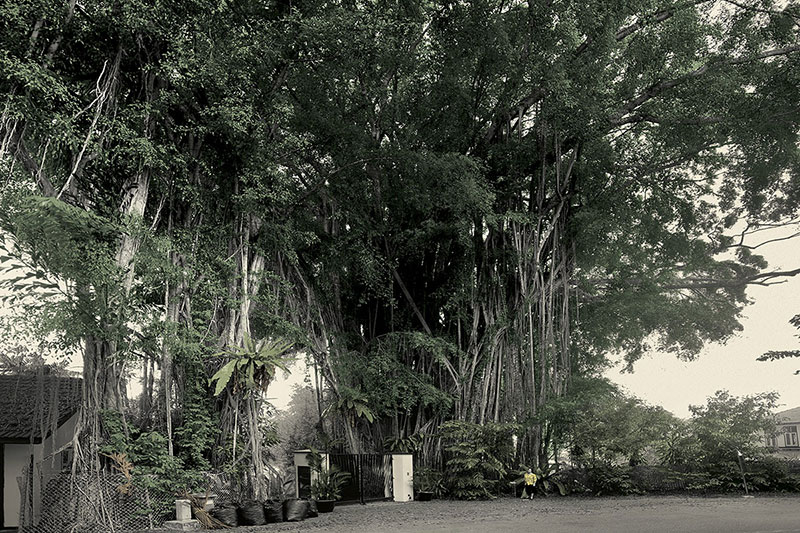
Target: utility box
303 474
403 477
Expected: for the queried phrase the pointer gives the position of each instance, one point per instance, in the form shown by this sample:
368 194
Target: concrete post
183 517
183 510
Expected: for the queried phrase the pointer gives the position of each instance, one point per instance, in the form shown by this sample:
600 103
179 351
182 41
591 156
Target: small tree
728 424
599 422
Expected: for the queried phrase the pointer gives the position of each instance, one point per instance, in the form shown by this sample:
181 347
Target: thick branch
647 117
763 278
697 282
759 245
410 300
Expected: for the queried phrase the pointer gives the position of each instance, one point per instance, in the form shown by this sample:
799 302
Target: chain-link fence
104 502
96 503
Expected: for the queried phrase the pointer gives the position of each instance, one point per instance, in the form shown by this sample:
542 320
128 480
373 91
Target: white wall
17 457
47 465
50 460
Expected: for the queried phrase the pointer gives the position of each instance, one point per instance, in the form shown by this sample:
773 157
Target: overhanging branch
707 282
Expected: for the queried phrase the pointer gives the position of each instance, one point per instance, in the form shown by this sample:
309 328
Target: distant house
785 441
38 415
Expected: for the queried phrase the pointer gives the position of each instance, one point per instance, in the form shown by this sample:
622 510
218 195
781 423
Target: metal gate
370 476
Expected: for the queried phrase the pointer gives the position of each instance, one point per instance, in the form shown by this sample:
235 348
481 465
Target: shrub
605 478
429 480
771 474
475 457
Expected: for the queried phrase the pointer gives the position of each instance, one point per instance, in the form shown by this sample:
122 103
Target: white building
785 440
38 414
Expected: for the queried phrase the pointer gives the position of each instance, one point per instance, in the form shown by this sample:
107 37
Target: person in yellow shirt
530 483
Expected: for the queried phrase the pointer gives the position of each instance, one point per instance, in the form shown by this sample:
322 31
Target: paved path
724 514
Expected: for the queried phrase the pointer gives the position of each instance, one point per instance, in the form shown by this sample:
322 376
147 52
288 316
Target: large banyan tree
506 192
453 207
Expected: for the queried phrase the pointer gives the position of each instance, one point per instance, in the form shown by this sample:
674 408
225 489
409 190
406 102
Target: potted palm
327 487
427 483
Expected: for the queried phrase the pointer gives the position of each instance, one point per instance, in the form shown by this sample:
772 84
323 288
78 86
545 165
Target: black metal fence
370 476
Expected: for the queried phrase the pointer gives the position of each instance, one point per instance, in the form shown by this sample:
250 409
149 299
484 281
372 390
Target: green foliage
429 480
20 360
547 479
328 483
352 403
64 256
476 456
776 355
771 474
385 381
408 444
597 421
727 425
372 160
607 478
679 446
197 432
153 467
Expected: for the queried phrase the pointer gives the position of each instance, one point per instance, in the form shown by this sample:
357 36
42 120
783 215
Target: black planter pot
295 510
273 512
325 506
424 496
312 509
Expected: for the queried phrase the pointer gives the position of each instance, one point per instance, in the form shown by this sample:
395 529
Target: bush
429 480
329 483
475 458
771 474
604 478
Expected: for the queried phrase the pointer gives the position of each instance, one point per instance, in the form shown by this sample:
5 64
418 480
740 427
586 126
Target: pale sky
662 379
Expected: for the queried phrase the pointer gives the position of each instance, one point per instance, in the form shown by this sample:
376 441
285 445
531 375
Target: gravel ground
724 514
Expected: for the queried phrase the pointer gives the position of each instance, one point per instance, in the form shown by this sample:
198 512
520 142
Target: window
772 441
66 459
790 435
304 481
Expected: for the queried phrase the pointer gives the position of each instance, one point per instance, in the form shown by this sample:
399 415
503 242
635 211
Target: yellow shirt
530 479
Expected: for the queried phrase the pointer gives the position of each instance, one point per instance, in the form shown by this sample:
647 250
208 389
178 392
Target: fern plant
251 366
328 484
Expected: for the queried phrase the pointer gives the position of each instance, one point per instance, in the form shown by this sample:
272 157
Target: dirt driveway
724 514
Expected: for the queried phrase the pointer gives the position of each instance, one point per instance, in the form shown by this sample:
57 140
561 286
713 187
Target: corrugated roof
31 404
789 415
